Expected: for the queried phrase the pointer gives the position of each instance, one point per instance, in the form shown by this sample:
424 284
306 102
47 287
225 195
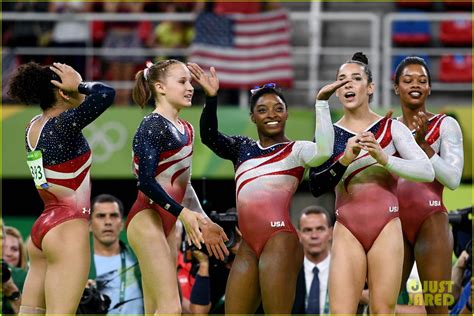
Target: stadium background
110 136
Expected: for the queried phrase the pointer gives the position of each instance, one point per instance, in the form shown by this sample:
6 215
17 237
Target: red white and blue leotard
162 157
419 200
266 178
366 196
67 159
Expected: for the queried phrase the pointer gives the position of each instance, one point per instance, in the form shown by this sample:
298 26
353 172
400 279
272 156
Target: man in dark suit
315 234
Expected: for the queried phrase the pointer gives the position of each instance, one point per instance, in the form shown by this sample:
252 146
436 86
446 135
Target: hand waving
210 83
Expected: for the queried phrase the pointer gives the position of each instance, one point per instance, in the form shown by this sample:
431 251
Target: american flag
246 49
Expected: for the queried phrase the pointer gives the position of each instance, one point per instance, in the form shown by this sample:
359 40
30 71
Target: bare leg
67 251
346 281
408 259
157 263
279 264
242 293
433 249
33 291
385 261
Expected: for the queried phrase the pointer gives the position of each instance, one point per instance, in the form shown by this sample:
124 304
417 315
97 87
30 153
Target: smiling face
413 86
270 115
11 250
176 87
357 92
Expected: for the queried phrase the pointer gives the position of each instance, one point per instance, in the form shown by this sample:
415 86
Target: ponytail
141 92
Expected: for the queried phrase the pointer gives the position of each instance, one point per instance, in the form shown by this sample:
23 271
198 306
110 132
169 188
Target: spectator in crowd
68 33
185 277
26 33
14 250
115 266
13 279
315 234
122 35
172 34
462 282
208 291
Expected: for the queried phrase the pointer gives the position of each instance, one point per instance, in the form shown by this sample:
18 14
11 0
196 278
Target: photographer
207 295
12 282
112 262
462 282
11 296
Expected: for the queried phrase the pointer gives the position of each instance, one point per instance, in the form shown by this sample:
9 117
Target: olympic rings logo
106 139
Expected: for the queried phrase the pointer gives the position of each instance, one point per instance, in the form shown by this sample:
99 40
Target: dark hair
316 209
411 60
144 88
359 58
266 90
107 198
31 84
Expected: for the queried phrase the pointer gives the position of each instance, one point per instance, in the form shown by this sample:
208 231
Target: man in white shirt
113 265
315 234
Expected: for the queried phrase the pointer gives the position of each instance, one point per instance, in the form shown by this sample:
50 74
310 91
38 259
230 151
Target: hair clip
148 65
258 88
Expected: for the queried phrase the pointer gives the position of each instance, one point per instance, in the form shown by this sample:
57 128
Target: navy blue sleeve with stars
147 146
226 147
61 138
325 178
98 98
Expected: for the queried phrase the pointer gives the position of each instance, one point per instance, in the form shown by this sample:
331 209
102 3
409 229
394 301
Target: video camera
93 302
228 221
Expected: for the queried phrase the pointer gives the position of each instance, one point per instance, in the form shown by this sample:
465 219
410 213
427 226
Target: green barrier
110 137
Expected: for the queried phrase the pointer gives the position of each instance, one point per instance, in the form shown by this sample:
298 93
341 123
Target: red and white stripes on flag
246 49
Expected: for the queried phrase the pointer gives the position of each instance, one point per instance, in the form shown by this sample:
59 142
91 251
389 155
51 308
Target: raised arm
219 143
323 131
98 98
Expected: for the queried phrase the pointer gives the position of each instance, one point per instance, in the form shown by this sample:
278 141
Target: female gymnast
267 174
367 242
428 238
162 148
59 158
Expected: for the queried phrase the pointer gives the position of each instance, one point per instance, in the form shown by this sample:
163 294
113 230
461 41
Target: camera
228 222
6 273
461 222
93 302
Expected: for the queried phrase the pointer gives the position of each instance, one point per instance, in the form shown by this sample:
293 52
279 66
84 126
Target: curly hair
31 84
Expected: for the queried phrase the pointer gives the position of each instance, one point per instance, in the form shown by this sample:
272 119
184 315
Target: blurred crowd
114 65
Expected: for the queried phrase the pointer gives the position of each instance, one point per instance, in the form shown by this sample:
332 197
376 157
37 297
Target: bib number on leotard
35 163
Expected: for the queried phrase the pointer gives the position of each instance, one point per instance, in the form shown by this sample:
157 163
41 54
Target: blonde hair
12 231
